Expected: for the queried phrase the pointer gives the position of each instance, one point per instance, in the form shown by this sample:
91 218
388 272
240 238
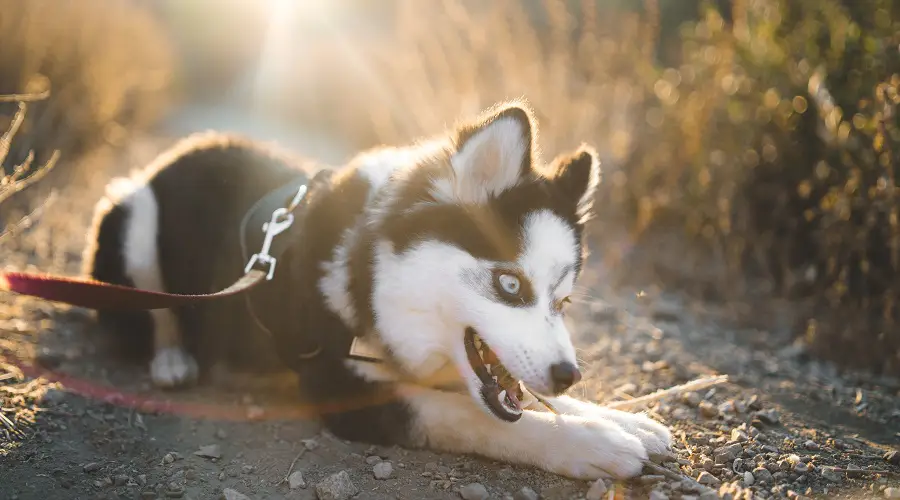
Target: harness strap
94 294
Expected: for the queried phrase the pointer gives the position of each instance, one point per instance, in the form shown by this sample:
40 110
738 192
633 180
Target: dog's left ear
493 153
576 176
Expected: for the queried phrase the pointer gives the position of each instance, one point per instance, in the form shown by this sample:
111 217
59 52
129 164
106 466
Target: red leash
94 294
98 295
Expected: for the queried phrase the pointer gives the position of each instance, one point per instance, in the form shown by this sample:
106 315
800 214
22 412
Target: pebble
768 417
708 479
473 491
749 479
337 486
209 451
372 460
708 410
728 453
231 494
651 479
762 475
811 445
527 493
658 495
802 468
295 480
91 467
892 492
310 444
739 435
830 474
383 470
692 399
221 434
892 457
737 465
597 490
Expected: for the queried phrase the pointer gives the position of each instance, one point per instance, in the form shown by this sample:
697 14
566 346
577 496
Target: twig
883 472
21 185
676 476
291 468
26 221
694 385
40 96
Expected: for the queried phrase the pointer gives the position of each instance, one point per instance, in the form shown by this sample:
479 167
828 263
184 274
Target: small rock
295 480
597 490
337 486
473 491
230 494
892 457
658 495
892 492
802 468
91 467
768 417
830 474
221 434
120 480
728 453
708 410
749 479
811 445
708 479
382 470
692 399
209 451
527 493
247 469
651 479
372 460
738 465
310 444
762 475
739 435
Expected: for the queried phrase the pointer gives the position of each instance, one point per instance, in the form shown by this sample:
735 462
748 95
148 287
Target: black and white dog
452 258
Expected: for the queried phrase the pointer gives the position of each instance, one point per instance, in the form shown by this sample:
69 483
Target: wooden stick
694 385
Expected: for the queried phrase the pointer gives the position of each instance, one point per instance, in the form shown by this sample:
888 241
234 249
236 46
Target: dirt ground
73 425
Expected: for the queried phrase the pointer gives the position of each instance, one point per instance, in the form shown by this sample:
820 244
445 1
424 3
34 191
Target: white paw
172 367
655 437
586 448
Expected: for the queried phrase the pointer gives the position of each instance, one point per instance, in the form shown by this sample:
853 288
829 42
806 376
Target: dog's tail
122 249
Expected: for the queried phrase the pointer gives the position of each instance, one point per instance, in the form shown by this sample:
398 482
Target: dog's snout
564 375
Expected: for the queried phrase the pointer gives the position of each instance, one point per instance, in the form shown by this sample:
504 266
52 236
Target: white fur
580 446
488 163
335 282
171 365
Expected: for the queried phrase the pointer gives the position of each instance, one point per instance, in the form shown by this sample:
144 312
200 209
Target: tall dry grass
763 164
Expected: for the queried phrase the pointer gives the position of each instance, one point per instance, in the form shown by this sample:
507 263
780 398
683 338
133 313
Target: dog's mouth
501 392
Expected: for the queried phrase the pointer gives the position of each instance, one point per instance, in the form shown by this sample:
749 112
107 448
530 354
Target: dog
449 262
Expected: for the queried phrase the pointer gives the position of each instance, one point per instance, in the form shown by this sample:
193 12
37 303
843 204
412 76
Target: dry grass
765 153
106 63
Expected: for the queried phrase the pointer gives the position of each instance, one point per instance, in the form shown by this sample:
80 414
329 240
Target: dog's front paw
594 448
655 437
172 367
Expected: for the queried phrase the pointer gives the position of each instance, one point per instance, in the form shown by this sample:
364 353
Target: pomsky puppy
452 259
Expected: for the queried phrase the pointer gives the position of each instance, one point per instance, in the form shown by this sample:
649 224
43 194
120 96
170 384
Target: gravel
383 470
337 486
473 491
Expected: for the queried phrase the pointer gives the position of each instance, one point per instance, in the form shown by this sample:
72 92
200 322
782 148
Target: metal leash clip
281 220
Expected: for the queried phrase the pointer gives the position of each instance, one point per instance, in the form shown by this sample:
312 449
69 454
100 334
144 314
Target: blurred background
749 146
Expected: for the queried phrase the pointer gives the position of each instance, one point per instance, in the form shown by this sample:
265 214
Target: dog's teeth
502 396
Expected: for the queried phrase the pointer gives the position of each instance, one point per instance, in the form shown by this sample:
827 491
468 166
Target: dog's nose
564 375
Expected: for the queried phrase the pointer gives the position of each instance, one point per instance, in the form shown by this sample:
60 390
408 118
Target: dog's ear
492 153
576 176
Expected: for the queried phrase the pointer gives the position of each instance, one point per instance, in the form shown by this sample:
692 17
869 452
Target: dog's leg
172 365
655 436
576 446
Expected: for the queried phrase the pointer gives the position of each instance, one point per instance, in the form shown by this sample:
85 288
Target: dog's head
480 252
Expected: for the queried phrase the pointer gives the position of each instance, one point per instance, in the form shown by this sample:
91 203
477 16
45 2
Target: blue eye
510 284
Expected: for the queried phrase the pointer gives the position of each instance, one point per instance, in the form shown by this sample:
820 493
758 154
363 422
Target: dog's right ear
576 177
493 153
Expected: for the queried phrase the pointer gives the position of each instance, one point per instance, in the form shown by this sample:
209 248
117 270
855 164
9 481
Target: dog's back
174 227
